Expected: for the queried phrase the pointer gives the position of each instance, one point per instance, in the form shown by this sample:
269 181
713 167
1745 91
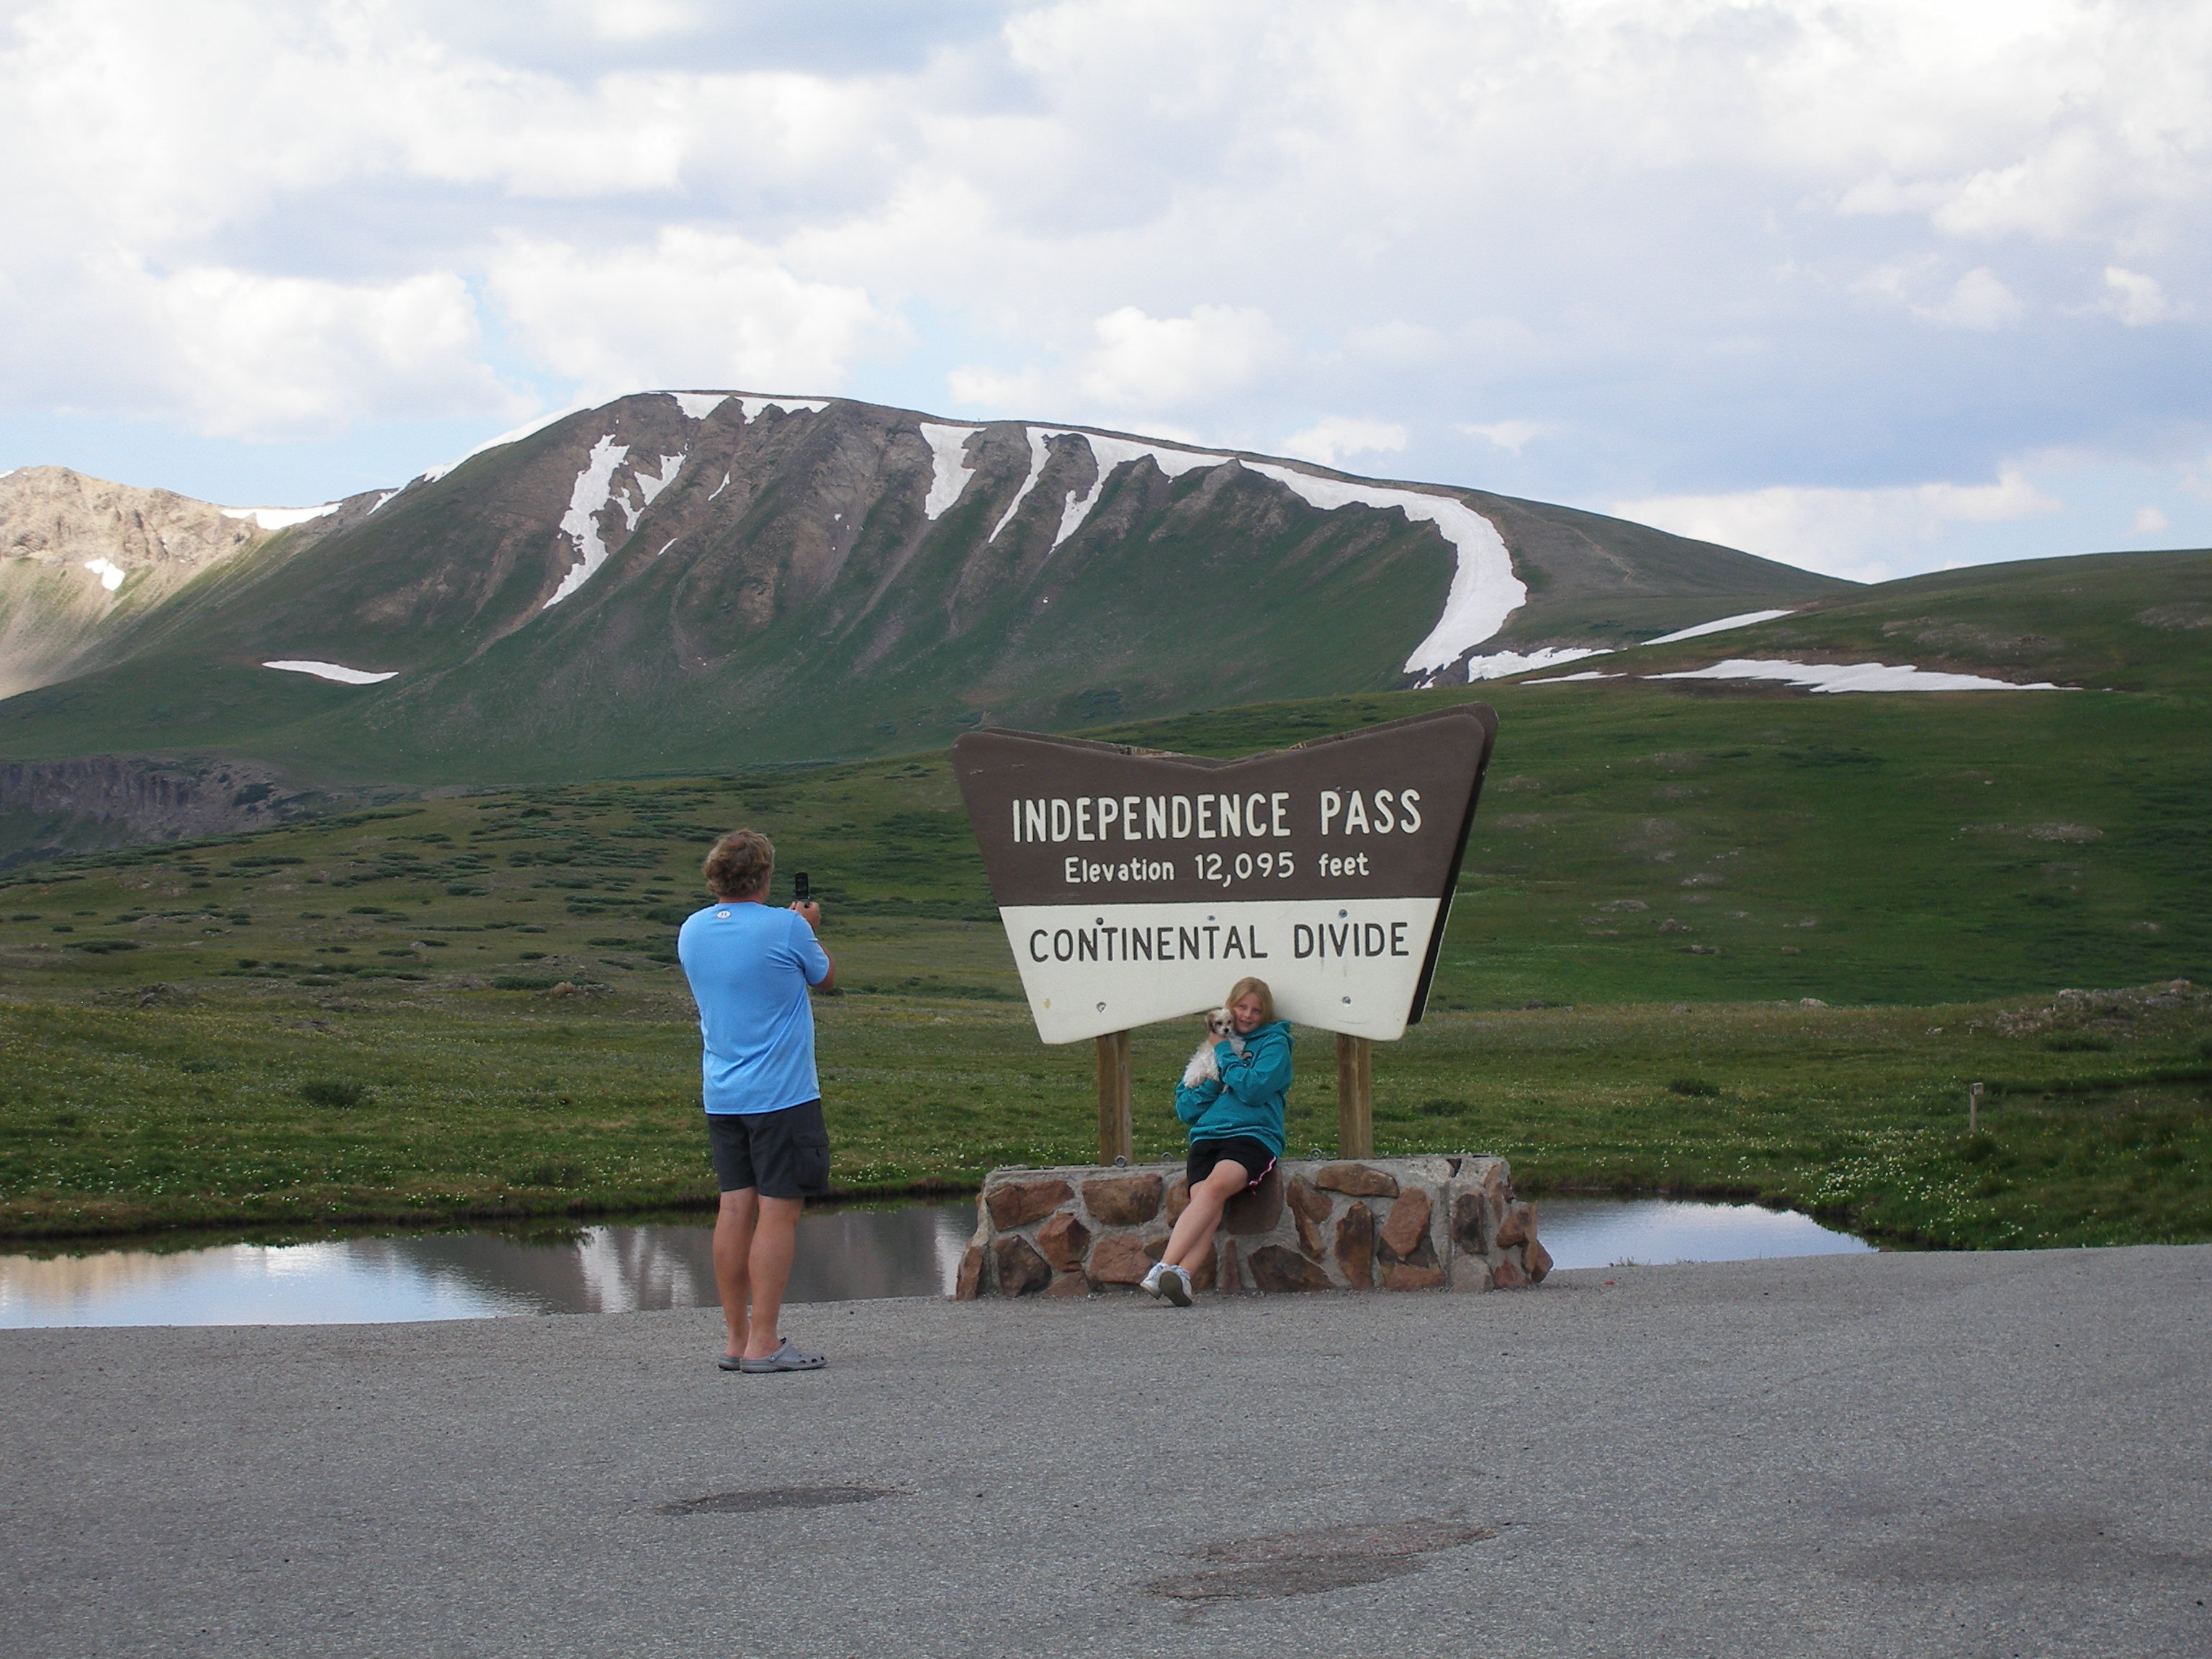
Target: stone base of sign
1373 1224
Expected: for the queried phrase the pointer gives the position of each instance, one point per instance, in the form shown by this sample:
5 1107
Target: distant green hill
1635 844
2129 621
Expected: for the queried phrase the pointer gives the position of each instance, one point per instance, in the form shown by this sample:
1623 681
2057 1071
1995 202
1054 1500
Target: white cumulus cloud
1326 440
2137 300
1511 436
1864 534
1712 239
688 308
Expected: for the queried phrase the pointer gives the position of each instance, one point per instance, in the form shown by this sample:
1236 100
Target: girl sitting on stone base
1236 1130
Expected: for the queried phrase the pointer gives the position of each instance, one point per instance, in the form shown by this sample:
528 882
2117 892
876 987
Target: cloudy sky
1874 286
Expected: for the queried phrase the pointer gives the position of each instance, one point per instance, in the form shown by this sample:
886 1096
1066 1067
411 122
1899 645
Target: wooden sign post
1117 1099
1355 1096
1137 886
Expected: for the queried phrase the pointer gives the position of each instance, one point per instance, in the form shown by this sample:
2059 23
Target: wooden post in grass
1117 1089
1355 1096
1973 1108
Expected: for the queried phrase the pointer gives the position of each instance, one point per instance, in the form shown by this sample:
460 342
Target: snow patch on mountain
110 575
515 436
1109 453
333 671
593 493
720 487
1040 454
951 469
755 407
1113 453
281 518
1483 590
650 487
698 405
1501 664
1830 677
1570 679
1720 627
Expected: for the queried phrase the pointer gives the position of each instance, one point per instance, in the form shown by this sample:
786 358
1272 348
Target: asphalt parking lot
1904 1453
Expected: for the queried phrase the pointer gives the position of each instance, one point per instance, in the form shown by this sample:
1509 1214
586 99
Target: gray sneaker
1175 1285
785 1358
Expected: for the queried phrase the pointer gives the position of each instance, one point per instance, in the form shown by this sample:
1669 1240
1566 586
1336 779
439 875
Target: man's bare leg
733 1248
774 1239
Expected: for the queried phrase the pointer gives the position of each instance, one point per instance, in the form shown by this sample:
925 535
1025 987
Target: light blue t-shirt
750 967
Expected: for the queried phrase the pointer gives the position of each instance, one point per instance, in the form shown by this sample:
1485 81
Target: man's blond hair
739 866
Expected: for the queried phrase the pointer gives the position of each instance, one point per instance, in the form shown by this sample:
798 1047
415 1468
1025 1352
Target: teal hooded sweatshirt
1249 1099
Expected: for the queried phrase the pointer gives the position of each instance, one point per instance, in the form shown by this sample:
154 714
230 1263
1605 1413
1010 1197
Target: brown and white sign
1137 886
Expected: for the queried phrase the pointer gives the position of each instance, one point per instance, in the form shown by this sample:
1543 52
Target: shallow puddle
843 1256
1612 1232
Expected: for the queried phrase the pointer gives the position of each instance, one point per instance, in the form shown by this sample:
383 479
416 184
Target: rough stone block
1518 1227
1470 1273
1539 1260
1127 1200
1069 1284
1275 1270
969 1285
1470 1224
1230 1281
1258 1209
1357 1181
1305 1202
1064 1239
1018 1203
1178 1199
1019 1269
1407 1227
1123 1258
1309 1238
1355 1247
1507 1276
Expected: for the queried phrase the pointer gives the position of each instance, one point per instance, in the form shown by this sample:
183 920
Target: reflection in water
843 1256
1609 1233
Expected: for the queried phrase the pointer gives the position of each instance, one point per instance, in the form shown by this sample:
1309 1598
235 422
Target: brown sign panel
1137 886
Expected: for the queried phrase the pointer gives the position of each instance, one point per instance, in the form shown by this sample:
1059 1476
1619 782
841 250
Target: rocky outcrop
82 559
110 801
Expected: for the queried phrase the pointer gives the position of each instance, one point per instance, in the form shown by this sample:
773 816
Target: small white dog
1220 1025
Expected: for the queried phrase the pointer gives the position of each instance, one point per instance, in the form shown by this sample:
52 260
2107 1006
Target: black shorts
1253 1154
785 1154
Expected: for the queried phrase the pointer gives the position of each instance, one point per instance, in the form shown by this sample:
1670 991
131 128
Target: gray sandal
785 1358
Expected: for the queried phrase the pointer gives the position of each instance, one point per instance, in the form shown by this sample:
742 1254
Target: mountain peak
680 577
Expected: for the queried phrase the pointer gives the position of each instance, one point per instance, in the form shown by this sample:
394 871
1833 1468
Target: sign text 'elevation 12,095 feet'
1139 886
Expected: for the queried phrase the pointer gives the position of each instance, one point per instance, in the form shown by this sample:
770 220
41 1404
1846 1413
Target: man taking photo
750 967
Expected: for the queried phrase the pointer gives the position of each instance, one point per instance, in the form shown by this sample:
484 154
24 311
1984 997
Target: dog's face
1219 1022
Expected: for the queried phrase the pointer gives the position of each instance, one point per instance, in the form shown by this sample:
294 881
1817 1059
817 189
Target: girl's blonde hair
1237 992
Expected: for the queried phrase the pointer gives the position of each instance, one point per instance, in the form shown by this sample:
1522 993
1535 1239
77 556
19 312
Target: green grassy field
465 1007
